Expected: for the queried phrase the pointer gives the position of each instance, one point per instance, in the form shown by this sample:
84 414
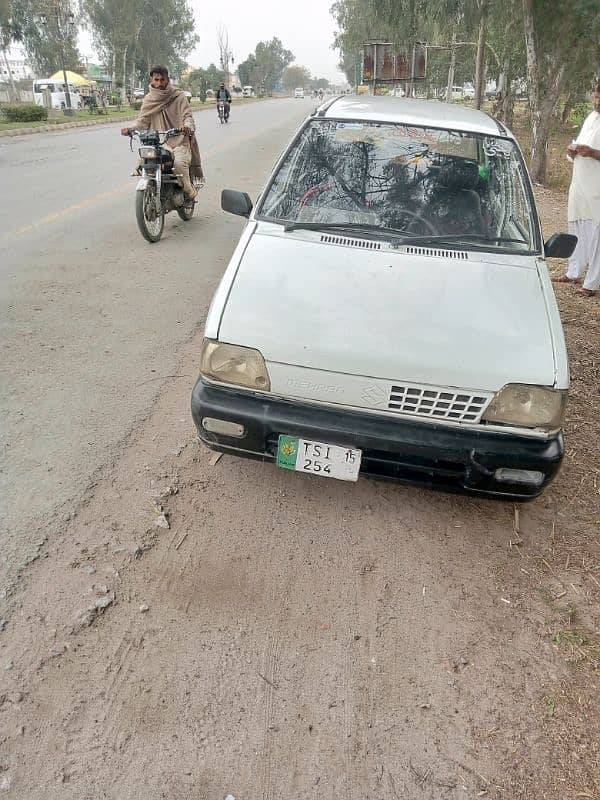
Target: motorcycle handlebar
167 134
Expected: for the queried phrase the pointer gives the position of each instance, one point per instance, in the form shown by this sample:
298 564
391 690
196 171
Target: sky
305 27
308 35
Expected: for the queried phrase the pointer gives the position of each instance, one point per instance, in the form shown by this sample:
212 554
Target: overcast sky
305 27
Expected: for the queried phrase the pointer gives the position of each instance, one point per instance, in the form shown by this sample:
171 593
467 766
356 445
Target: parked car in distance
139 93
248 91
457 93
388 310
468 91
299 92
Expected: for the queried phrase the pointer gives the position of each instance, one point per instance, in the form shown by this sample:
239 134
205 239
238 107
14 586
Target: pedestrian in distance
584 204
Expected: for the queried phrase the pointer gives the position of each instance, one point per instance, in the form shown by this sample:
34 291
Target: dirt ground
202 628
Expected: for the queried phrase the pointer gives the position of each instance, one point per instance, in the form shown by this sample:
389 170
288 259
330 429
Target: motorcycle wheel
149 222
186 212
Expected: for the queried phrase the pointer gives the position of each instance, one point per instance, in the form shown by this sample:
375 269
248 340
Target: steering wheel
421 219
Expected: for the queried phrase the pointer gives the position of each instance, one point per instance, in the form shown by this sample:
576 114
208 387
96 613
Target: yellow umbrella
72 77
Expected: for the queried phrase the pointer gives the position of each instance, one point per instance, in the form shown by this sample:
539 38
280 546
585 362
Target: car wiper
325 226
459 237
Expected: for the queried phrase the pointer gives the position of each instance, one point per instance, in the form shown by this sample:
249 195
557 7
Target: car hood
449 318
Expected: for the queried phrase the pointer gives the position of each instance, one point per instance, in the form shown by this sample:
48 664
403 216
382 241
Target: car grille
438 403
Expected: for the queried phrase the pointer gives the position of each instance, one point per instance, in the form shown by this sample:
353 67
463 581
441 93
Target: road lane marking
57 216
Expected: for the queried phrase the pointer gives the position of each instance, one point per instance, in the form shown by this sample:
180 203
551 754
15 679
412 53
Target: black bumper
412 452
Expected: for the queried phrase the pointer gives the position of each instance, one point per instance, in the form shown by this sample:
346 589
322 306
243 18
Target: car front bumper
419 453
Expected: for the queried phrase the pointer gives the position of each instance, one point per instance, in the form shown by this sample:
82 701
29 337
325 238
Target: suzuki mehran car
388 310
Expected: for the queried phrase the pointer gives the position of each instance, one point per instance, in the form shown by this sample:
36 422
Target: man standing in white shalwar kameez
584 204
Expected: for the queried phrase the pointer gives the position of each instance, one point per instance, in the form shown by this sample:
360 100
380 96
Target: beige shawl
169 108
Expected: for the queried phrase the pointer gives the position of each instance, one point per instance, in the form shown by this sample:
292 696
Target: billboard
384 61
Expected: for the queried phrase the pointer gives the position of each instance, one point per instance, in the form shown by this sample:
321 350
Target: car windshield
402 180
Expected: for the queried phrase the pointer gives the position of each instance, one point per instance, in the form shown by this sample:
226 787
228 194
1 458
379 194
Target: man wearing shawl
166 107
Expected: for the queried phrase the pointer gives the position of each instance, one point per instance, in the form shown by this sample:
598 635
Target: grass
113 114
79 116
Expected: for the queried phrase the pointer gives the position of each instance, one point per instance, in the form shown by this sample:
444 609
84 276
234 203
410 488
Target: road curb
88 123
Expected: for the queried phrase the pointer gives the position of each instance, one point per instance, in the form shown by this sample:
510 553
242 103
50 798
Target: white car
299 93
388 310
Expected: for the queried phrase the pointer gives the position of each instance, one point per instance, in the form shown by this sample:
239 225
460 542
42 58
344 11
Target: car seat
454 204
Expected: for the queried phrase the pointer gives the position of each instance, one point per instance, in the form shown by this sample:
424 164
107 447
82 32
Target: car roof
429 113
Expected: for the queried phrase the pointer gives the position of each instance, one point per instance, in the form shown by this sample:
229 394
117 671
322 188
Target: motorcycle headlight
230 363
147 152
527 406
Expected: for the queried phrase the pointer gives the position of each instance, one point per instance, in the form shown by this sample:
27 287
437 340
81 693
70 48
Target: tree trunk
13 92
451 67
413 39
113 76
538 160
542 107
479 63
123 91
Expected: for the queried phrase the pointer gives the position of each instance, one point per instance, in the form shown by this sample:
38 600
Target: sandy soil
288 637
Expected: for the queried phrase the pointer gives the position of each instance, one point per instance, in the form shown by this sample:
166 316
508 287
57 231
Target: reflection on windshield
422 181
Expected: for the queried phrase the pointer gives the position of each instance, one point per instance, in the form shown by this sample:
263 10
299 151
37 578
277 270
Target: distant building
19 66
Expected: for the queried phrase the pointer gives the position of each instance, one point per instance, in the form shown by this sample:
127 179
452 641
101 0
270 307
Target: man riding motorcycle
166 107
224 95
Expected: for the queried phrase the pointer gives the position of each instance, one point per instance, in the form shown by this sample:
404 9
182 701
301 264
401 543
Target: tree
132 35
319 83
265 66
296 75
214 76
225 54
247 70
560 43
44 44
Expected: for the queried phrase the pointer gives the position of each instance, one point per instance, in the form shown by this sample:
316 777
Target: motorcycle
223 111
158 190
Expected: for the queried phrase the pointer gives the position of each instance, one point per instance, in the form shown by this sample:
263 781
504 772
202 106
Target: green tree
561 43
196 82
247 70
296 75
266 65
319 83
132 35
45 44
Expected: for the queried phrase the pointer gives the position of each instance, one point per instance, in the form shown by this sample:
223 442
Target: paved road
92 314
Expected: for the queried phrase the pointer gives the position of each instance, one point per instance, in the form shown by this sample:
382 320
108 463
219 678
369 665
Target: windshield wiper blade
459 237
324 226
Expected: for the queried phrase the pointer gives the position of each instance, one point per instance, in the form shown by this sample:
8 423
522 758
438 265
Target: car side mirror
235 202
560 245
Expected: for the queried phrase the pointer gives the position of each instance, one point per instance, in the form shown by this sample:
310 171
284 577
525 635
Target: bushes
136 105
24 112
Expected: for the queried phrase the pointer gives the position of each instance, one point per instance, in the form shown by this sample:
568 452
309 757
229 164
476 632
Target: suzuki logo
374 394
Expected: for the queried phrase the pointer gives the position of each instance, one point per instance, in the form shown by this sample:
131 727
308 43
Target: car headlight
527 406
147 152
230 363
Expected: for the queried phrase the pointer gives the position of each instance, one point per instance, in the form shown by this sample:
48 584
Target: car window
421 181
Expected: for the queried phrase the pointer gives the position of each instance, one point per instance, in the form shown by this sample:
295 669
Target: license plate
318 458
